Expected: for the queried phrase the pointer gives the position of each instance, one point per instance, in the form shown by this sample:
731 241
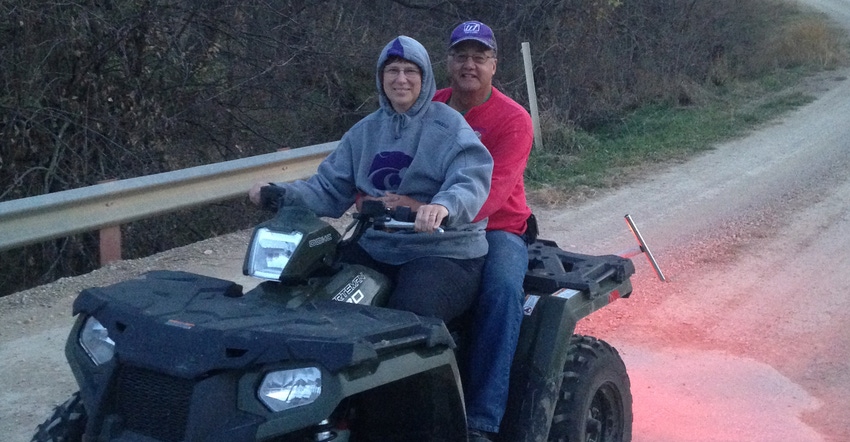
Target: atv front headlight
282 390
94 338
270 252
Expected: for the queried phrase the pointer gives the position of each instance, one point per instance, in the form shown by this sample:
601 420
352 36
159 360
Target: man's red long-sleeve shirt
505 129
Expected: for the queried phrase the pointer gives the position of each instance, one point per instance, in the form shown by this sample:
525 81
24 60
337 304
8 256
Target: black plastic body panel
206 346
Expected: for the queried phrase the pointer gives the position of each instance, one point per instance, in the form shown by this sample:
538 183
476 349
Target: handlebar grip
271 197
404 214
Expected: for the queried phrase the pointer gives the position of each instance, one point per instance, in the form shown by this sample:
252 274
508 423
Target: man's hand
429 217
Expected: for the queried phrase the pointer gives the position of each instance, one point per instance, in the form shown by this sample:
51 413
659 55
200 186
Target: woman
420 151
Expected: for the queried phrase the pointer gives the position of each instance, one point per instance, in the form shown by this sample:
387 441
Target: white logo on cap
471 28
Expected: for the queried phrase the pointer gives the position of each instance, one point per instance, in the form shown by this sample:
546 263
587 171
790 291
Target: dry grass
808 42
554 196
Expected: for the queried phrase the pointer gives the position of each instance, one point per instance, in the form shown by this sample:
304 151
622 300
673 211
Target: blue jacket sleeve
331 191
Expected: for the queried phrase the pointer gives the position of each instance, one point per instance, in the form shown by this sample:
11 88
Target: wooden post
110 245
532 94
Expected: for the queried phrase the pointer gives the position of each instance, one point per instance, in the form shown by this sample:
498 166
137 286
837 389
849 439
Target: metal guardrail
40 218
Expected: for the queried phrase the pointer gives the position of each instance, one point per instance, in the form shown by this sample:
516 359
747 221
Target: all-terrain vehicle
310 355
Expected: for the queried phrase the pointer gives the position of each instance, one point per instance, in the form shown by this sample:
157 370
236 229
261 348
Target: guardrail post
110 245
110 241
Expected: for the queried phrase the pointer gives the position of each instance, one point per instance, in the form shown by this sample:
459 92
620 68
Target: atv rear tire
67 424
595 402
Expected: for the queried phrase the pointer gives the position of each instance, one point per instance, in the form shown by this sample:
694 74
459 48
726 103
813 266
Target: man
414 148
505 129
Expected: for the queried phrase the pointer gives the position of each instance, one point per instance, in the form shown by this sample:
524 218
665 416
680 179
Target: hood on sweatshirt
412 51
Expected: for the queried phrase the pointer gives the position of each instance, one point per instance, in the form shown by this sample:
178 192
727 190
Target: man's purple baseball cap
473 30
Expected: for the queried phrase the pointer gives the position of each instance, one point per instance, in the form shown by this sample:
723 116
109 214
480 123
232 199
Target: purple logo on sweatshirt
388 168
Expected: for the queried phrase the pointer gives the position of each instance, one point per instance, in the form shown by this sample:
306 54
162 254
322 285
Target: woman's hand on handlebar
254 192
269 196
429 217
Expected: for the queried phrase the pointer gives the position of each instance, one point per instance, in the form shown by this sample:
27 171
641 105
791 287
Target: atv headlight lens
271 251
94 338
282 390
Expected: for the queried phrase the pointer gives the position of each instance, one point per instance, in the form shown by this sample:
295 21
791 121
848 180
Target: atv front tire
595 402
67 424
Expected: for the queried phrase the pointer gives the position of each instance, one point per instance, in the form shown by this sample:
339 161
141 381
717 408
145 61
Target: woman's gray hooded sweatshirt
429 153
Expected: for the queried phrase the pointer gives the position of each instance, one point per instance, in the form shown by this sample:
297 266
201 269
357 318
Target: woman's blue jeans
496 318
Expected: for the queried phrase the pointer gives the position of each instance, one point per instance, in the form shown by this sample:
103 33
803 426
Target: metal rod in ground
644 247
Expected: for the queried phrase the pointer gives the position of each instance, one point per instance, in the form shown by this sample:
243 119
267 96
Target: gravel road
746 341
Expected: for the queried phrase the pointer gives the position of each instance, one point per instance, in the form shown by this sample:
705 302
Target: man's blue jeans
496 318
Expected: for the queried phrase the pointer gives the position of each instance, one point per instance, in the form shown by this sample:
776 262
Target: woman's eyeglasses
408 72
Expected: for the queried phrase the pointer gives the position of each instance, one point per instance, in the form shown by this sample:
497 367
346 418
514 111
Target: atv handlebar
385 218
372 212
